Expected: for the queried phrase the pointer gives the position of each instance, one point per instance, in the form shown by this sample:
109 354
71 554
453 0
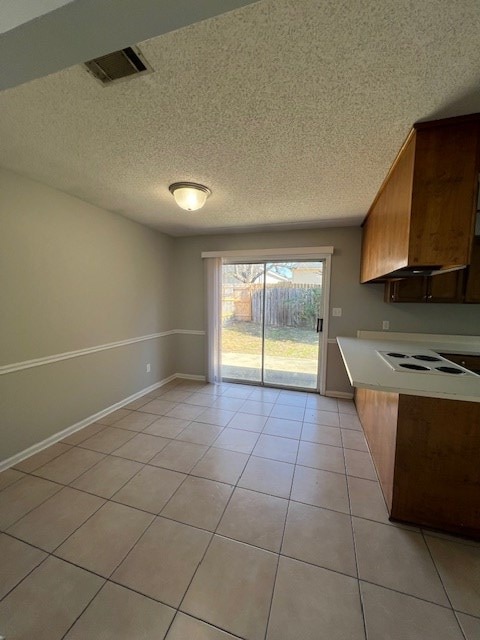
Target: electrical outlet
385 325
337 312
148 368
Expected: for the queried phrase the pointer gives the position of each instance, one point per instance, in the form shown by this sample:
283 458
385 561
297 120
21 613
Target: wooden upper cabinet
444 195
423 216
386 228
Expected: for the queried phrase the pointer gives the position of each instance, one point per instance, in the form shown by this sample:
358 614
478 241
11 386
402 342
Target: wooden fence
286 304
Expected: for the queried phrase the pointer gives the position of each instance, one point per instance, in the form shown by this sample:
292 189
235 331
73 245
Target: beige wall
39 402
74 276
362 305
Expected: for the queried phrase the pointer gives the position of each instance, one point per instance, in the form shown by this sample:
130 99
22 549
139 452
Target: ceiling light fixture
189 195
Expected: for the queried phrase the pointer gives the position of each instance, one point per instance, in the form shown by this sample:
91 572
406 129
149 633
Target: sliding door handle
319 325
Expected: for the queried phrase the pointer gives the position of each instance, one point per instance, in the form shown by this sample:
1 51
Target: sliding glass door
272 317
242 322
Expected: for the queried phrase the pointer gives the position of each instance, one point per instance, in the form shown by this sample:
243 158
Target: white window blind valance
213 273
287 253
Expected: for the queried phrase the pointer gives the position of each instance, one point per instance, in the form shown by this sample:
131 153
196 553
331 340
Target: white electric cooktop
427 363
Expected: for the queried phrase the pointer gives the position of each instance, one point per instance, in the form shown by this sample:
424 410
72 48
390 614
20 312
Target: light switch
337 312
386 325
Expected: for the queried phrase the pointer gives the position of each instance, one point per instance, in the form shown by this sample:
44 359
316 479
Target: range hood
415 272
418 272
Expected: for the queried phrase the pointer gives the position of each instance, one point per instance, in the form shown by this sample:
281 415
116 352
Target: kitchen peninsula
422 424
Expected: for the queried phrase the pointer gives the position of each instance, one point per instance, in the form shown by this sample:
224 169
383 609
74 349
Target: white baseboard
56 437
344 395
39 446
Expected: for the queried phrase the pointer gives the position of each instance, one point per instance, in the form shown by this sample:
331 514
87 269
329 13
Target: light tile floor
215 513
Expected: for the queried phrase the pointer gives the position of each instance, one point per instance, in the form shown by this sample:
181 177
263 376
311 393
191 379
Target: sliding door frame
289 254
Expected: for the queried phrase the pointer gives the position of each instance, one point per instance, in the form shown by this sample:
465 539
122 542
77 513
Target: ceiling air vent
118 65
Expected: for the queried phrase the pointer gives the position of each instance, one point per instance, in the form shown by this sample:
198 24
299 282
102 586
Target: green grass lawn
286 342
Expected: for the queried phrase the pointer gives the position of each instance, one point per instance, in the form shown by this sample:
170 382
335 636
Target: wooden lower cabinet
378 414
426 452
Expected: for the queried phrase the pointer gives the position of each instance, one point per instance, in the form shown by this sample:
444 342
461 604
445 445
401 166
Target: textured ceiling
291 111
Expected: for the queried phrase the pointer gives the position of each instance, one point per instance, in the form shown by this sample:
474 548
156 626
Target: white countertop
366 369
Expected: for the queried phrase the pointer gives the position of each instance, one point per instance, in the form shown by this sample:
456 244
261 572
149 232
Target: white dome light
189 196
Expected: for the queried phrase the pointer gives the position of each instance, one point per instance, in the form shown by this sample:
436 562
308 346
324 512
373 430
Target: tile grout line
102 497
210 624
212 446
404 593
24 473
61 486
211 539
443 585
16 468
311 564
450 537
79 445
154 516
123 558
49 554
198 565
195 476
83 610
31 570
177 439
52 553
214 533
247 544
398 525
355 552
279 555
157 515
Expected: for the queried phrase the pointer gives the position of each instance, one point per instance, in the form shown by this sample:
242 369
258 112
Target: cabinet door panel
446 287
378 413
407 290
385 231
444 194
